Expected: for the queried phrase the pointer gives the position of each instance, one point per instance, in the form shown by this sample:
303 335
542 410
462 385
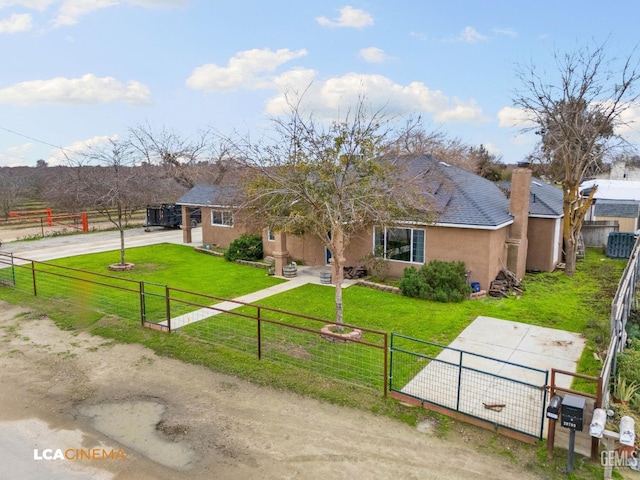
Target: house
476 224
615 202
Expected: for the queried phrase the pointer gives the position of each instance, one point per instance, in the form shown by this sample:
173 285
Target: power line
31 138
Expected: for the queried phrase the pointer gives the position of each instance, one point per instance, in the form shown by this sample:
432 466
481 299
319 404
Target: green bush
628 362
245 247
440 281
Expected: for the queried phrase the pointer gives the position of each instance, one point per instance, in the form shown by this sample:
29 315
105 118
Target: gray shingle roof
210 196
545 199
465 198
612 208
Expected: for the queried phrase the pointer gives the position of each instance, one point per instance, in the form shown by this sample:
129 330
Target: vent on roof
444 164
536 183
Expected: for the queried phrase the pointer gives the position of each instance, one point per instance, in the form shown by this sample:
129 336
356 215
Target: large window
403 244
221 218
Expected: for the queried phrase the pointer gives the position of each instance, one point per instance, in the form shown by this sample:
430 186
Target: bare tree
577 115
112 180
202 158
332 181
416 140
13 188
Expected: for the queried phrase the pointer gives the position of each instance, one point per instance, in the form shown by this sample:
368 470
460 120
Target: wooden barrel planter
289 271
325 278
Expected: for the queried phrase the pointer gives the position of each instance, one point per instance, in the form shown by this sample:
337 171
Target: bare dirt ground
63 390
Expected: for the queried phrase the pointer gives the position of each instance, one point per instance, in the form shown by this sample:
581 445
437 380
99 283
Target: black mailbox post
572 417
572 412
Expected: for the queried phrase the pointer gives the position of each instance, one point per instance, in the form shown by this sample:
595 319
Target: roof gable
210 196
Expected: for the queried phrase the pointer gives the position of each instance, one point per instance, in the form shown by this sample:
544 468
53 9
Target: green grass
579 304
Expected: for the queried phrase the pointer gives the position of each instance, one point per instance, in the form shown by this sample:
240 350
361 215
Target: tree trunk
122 262
338 264
569 255
339 275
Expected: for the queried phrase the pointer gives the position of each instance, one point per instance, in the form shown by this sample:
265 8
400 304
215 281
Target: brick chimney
517 242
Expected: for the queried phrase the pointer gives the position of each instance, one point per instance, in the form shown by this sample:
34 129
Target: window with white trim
270 236
221 218
401 244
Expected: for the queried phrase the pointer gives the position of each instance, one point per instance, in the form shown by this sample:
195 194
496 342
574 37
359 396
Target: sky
76 73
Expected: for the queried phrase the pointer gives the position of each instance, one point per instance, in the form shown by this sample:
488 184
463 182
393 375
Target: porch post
280 252
186 224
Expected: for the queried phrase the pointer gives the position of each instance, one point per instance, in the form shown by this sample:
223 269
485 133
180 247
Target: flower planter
325 278
328 332
289 271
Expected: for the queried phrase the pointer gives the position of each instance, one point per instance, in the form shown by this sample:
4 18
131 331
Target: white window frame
226 218
270 236
411 245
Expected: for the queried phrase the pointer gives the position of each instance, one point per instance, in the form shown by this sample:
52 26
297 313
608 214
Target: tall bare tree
332 181
201 158
577 114
13 187
112 180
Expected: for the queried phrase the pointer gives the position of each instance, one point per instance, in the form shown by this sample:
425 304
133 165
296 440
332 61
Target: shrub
376 265
437 280
245 247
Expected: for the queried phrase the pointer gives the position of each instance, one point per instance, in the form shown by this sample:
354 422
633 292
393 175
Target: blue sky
78 72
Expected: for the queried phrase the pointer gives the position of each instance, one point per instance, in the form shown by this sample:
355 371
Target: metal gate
497 392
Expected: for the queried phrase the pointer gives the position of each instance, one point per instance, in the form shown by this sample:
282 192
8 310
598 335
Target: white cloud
87 89
492 149
14 156
71 10
510 117
32 4
349 17
471 35
70 152
247 69
461 112
16 23
330 97
418 35
373 55
505 31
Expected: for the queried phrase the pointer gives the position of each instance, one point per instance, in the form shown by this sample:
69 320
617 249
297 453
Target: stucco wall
220 235
482 251
540 255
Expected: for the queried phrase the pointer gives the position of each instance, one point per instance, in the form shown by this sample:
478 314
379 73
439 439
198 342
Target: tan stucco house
487 227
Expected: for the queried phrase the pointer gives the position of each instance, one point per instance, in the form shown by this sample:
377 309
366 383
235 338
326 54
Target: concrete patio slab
496 352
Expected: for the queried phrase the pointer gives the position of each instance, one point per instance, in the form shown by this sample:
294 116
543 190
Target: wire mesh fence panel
503 401
7 270
497 391
346 360
233 331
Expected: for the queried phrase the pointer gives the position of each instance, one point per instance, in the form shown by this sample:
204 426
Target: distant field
31 221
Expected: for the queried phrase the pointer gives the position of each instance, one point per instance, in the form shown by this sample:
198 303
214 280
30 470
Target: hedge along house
476 224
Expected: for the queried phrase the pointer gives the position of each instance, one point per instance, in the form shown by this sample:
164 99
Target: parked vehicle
169 215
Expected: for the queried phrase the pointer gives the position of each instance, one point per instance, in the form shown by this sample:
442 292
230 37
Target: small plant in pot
624 391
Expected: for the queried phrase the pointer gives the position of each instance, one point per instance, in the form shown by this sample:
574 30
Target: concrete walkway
305 275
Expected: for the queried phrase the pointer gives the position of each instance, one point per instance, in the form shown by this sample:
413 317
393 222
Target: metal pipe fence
498 392
263 332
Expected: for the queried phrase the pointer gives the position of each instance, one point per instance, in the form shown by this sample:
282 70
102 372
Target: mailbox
598 423
572 412
627 431
553 410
